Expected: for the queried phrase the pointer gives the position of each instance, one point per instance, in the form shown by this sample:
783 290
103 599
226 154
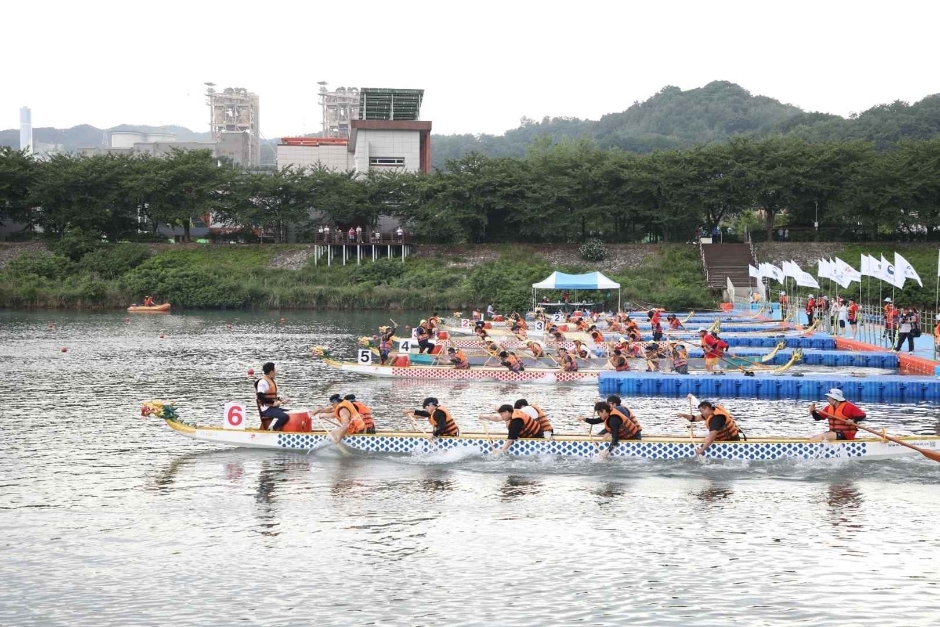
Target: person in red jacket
842 416
810 309
714 349
852 313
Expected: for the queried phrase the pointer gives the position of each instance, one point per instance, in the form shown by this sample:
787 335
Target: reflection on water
98 494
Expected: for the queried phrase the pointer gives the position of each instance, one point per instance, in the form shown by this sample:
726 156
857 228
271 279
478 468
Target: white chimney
26 130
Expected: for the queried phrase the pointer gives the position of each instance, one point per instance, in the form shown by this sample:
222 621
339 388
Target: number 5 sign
233 416
364 357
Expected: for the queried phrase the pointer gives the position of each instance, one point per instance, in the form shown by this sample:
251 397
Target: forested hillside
716 112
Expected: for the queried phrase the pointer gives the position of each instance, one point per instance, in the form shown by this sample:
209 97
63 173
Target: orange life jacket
530 428
422 334
537 350
460 360
271 395
513 363
730 431
568 363
365 412
630 427
543 419
582 325
450 426
838 425
598 337
621 364
356 423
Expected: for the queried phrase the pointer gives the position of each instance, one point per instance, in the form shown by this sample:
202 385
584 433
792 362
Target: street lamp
816 221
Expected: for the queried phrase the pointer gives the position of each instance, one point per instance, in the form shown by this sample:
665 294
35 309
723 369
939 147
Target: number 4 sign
233 416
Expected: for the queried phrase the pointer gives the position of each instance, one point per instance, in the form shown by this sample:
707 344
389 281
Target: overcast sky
483 65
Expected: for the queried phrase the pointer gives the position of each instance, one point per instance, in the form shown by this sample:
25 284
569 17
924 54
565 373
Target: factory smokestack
26 130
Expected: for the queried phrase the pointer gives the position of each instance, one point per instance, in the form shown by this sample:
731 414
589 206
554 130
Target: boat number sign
404 346
465 323
539 325
558 317
233 416
364 357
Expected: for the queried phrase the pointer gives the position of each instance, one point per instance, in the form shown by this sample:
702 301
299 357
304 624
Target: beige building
309 152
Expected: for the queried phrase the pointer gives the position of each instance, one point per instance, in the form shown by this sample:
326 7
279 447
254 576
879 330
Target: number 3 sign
233 416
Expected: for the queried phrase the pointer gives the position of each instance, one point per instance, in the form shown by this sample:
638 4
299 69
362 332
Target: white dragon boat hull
656 447
449 373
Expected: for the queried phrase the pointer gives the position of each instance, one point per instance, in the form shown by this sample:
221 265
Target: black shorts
841 324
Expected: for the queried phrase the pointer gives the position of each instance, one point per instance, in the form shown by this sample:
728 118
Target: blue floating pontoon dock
880 388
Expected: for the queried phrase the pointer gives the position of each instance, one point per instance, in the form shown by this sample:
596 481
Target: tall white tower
26 130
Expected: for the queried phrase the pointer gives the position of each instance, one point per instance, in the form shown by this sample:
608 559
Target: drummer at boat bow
269 403
619 423
721 426
441 421
842 416
519 424
423 335
458 358
385 341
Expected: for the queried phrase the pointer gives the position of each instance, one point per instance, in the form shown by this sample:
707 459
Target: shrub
115 261
593 250
42 264
75 244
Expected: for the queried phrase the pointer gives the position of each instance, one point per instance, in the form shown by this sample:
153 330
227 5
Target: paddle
934 455
692 429
329 434
486 430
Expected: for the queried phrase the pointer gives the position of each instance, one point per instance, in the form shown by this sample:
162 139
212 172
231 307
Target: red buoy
230 326
251 372
161 336
283 320
65 349
50 326
127 319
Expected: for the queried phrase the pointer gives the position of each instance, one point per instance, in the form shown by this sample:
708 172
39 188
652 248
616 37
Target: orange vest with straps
569 363
513 362
271 395
730 431
543 419
530 428
621 364
365 412
838 425
356 423
450 425
628 429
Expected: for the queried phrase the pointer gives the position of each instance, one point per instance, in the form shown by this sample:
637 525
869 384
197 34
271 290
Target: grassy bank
241 277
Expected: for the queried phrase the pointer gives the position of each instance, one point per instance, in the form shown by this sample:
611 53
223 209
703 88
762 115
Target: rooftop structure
390 104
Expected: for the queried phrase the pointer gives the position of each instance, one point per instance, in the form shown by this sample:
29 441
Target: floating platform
824 342
880 388
814 357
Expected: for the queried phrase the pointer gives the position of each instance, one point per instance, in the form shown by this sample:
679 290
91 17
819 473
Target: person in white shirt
842 313
269 403
535 412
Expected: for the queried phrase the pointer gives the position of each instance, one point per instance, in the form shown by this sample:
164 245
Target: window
392 162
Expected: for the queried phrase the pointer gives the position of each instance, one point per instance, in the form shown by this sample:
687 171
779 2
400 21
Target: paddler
582 325
148 301
674 323
617 426
841 414
536 349
580 351
443 424
519 424
269 403
423 335
680 359
509 359
714 350
721 426
458 358
566 360
434 324
345 415
364 411
652 354
476 315
385 341
596 336
559 337
536 412
619 361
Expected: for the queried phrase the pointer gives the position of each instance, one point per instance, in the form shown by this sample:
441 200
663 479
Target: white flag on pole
865 271
753 272
805 279
791 269
874 266
824 270
889 274
905 269
771 271
847 273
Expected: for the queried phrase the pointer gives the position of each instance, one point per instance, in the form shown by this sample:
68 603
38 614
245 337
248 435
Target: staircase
724 261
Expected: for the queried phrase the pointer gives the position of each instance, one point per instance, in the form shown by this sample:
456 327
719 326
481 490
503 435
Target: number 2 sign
233 416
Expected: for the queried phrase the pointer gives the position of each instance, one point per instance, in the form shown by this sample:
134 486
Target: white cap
888 300
810 296
835 394
702 330
783 293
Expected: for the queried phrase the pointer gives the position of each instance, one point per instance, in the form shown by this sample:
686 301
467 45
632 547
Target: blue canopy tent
586 282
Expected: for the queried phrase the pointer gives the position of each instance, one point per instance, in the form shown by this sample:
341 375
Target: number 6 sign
364 357
233 417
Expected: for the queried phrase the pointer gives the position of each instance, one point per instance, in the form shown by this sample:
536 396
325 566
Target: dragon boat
449 373
665 447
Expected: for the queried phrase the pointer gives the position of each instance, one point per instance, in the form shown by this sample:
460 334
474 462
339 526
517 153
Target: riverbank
286 277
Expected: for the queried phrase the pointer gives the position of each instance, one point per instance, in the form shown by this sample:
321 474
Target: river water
107 518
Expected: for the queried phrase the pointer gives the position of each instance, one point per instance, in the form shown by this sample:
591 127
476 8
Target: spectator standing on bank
358 234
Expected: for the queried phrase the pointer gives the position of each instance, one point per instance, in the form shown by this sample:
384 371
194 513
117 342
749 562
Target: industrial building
387 134
235 110
26 130
340 107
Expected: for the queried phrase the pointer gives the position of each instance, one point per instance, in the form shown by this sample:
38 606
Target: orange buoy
251 372
65 349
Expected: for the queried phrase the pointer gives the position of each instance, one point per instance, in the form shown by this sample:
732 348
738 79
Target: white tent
585 282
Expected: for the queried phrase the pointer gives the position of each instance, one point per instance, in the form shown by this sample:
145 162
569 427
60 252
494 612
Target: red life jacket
628 429
810 305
